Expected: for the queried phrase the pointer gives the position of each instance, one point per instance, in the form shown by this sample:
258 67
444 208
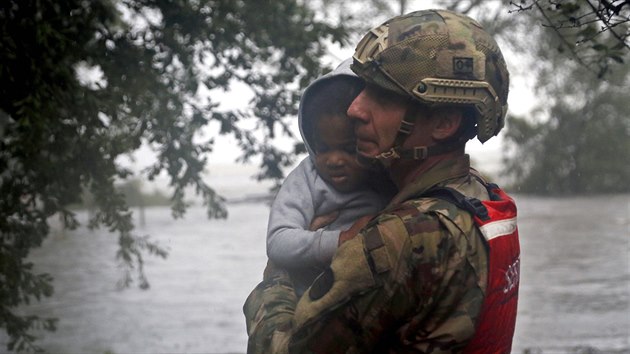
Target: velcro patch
381 260
378 258
463 65
373 240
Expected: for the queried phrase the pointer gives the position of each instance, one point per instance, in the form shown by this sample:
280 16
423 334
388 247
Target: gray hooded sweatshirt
304 195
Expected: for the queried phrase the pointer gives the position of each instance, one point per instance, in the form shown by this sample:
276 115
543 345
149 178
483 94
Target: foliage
580 141
571 142
86 82
135 197
585 28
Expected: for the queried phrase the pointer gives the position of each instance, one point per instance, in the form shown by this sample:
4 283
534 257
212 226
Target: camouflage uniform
412 281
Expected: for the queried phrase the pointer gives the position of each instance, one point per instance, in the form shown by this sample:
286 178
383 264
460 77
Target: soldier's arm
327 316
362 299
269 308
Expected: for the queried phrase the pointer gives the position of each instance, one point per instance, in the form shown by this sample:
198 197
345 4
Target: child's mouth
339 179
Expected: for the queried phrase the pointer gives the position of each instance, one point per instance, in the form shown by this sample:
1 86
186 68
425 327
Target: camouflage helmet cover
438 57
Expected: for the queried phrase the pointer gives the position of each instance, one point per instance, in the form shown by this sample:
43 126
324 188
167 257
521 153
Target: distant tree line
133 194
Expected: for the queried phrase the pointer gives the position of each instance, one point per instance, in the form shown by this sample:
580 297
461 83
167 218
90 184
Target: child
329 180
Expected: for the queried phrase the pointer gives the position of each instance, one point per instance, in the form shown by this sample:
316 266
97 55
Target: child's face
335 153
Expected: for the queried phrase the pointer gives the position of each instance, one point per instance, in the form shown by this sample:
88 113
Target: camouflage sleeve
327 319
269 309
385 288
376 282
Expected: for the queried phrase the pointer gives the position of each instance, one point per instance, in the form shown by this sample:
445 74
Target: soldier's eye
384 97
350 149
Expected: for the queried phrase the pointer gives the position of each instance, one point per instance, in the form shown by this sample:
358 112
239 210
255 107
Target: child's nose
335 160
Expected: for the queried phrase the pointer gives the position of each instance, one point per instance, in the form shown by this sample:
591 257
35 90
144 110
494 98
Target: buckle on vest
475 206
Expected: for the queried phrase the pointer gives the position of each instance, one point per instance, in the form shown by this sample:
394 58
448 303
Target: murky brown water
575 284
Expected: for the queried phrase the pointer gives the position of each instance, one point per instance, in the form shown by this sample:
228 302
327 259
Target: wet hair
330 97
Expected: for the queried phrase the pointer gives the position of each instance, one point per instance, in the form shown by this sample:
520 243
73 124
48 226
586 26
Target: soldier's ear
447 122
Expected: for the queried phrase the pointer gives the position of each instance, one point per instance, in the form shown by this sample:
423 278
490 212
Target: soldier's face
376 114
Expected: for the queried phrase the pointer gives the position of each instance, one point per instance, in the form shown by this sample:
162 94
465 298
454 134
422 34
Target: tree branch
606 22
562 38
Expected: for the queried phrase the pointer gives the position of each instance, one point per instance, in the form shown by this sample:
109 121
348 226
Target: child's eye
321 149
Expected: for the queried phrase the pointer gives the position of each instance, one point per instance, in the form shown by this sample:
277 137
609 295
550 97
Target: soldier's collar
442 171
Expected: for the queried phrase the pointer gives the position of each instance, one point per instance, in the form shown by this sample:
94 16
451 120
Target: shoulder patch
322 284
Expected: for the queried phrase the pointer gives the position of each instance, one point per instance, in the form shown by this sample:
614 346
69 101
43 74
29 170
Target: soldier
437 271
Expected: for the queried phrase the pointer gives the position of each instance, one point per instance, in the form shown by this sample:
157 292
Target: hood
342 70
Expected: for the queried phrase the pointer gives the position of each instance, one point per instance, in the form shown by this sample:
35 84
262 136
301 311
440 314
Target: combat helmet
438 57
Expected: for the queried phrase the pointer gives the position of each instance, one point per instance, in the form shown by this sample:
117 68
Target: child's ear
447 123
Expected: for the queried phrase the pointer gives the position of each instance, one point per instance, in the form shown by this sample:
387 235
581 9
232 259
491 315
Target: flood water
575 284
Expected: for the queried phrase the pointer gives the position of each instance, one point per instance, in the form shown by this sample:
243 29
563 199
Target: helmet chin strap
417 153
370 162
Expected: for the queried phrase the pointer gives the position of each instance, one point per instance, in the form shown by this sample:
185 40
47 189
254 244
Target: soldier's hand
323 220
354 229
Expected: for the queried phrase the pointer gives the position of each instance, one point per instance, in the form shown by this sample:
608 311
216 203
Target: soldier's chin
367 161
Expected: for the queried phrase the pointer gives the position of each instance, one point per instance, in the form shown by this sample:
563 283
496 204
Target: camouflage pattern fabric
269 308
412 281
438 57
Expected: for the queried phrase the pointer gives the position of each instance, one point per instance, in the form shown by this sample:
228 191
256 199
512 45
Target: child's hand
354 229
323 220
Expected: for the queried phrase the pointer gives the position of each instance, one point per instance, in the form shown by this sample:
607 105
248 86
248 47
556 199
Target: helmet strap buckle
391 154
420 152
